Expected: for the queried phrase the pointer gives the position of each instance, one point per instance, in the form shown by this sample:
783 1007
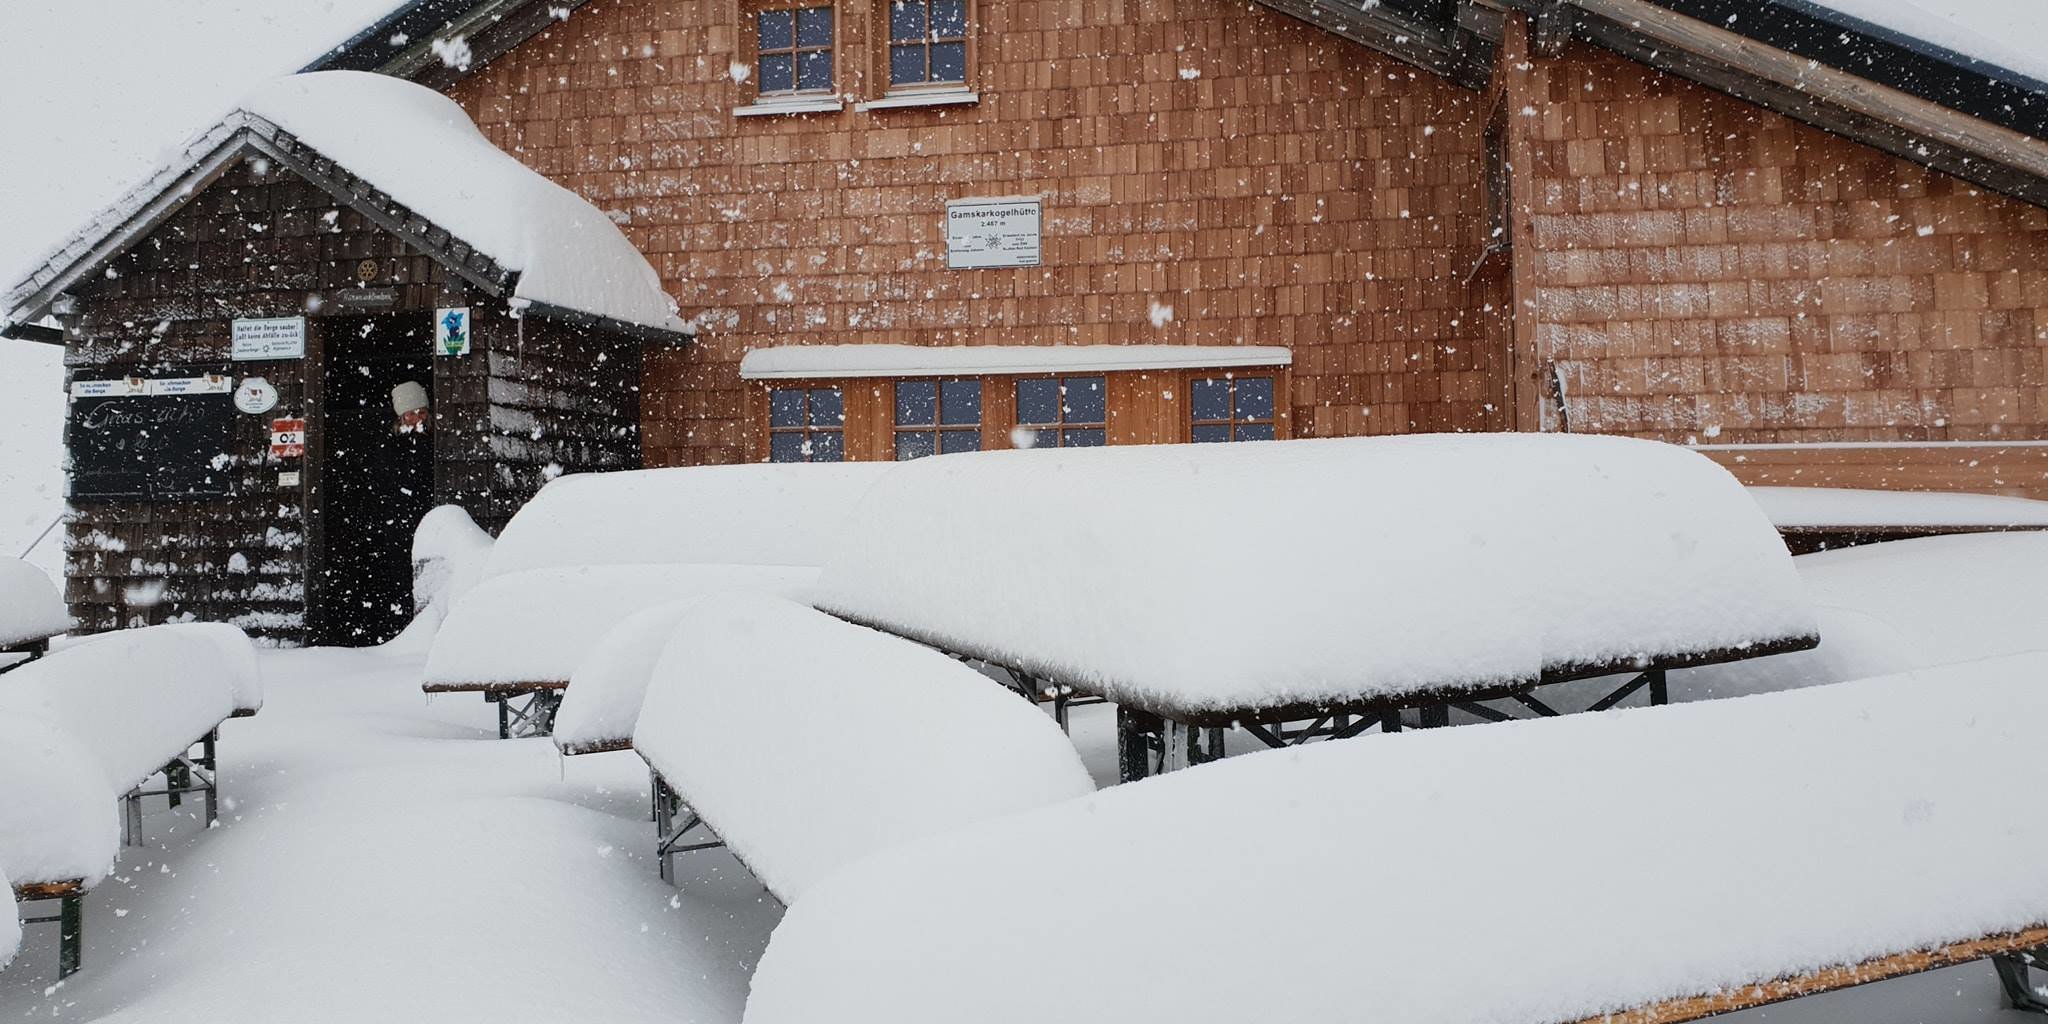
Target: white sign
255 395
992 232
451 331
278 337
288 478
211 384
109 388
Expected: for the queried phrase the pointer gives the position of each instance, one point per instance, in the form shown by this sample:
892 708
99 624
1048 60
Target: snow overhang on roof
414 41
411 161
798 362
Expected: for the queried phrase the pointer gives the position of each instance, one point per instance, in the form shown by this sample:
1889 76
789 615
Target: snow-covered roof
1696 824
1826 507
133 698
1197 580
602 703
758 514
58 823
873 741
1902 605
536 625
790 362
1991 32
557 253
30 608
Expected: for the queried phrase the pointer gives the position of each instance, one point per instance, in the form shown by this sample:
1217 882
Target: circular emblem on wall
255 395
367 271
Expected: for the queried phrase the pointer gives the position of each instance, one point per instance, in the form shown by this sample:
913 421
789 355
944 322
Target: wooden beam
1904 125
1675 1011
1455 53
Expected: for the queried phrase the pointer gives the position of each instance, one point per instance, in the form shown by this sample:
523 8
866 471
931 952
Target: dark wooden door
376 482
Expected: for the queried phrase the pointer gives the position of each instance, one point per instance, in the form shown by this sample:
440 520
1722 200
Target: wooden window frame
750 20
938 428
1063 424
806 428
883 30
1231 421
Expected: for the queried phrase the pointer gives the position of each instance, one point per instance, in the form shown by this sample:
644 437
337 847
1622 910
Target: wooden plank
49 890
508 689
1831 979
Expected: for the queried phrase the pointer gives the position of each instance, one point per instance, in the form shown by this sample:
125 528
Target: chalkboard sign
152 447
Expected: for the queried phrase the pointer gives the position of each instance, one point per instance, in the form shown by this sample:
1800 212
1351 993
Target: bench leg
211 761
71 940
2020 993
176 777
1138 736
131 820
504 715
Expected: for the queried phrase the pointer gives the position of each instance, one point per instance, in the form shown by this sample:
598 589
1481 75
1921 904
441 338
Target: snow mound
1898 606
244 677
870 741
1212 578
10 923
30 607
757 514
448 555
59 822
1703 814
1811 507
134 698
536 626
602 703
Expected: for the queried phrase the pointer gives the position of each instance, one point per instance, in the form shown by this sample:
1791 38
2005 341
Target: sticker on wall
210 384
123 388
276 337
255 395
288 438
451 331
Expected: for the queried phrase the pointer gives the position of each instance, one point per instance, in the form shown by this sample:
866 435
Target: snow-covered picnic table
1818 518
592 550
1333 582
31 612
1631 860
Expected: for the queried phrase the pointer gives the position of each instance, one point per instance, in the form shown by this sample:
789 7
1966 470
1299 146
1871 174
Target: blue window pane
961 405
1210 399
917 403
814 69
906 21
949 19
1254 432
776 75
786 447
827 446
960 441
1212 432
906 65
814 26
913 444
1038 401
785 408
1255 398
827 409
1084 399
949 62
1089 438
777 29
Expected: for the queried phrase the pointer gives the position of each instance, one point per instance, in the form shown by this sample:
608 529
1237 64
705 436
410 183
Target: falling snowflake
1162 314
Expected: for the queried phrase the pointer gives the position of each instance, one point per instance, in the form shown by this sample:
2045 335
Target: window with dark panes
1062 412
937 417
806 425
794 50
927 42
1231 409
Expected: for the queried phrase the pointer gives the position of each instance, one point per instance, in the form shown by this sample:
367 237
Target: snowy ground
383 858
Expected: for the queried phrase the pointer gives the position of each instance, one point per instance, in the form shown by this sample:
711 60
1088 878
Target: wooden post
71 940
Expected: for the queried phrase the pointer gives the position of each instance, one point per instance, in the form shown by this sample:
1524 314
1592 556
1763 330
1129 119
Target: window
1232 408
927 42
937 417
1063 412
795 50
806 425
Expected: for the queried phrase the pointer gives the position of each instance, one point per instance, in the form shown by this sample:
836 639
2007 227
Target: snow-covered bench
1654 865
592 549
780 732
1316 589
1823 518
31 613
85 730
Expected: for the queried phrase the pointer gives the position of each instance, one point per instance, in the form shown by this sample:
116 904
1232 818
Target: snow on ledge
1201 580
30 608
1781 834
1817 507
794 362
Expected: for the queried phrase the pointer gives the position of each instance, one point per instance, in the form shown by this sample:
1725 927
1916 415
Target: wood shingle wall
1270 183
